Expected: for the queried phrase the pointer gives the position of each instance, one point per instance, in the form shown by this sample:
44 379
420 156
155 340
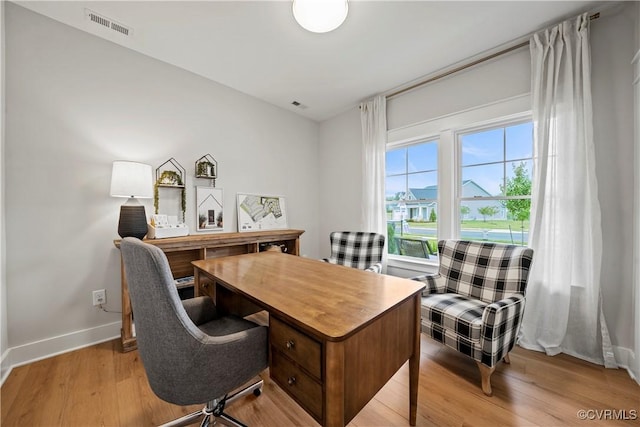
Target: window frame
445 130
502 122
406 174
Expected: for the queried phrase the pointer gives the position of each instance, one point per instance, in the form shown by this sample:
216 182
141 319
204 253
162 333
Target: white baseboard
38 350
5 369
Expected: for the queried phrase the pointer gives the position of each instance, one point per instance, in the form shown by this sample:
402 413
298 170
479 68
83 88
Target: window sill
418 265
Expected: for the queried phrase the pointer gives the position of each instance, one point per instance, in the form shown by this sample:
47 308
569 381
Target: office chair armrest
434 283
200 309
236 338
237 355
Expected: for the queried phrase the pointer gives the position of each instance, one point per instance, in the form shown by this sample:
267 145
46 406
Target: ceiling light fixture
320 16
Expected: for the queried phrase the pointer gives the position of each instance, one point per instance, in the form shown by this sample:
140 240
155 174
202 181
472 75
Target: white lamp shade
131 179
320 16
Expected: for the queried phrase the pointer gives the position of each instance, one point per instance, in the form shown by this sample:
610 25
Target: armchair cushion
456 313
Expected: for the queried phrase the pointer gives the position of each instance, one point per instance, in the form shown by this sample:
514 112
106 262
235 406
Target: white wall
634 362
75 104
503 77
4 340
341 136
340 176
612 50
636 14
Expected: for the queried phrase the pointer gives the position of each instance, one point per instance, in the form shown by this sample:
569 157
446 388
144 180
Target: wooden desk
180 251
336 334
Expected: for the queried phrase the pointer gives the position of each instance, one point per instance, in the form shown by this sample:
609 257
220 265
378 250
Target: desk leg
334 384
414 366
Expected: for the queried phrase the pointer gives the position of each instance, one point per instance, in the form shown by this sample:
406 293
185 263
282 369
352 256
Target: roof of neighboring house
470 182
431 191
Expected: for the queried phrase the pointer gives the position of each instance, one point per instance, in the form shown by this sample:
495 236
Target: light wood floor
100 386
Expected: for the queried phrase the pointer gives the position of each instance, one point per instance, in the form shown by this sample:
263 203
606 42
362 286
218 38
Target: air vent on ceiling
299 105
107 22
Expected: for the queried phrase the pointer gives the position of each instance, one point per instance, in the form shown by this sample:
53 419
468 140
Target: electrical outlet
99 297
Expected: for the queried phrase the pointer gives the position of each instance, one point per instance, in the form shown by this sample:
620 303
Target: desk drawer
207 287
302 387
297 346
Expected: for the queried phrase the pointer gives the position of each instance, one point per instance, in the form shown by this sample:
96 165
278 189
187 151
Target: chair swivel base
213 413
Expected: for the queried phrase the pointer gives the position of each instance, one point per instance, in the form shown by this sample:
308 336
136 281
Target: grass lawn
479 224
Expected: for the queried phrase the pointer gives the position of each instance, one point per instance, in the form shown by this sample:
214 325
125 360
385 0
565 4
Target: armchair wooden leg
485 373
506 359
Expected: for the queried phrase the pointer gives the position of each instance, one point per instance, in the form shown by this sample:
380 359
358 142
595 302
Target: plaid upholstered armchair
357 249
476 301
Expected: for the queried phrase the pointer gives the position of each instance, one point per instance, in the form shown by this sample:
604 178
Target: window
494 192
411 192
466 175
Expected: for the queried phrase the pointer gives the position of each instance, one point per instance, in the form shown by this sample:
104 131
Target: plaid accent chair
357 249
476 301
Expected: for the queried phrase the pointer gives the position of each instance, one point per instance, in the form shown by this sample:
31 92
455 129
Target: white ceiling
257 47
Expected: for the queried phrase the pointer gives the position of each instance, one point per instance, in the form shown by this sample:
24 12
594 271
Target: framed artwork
210 209
261 212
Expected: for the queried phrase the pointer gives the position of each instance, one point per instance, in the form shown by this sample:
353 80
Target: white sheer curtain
563 312
373 117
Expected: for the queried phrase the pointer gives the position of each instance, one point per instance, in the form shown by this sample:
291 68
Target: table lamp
132 180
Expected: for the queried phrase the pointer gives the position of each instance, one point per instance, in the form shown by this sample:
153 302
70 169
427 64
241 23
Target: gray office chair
190 353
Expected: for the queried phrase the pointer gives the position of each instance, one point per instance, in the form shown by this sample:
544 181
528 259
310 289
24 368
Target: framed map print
209 208
261 212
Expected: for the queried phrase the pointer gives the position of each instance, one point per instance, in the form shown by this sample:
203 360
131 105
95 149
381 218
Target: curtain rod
468 65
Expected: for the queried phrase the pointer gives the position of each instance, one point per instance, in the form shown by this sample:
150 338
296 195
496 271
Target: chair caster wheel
257 392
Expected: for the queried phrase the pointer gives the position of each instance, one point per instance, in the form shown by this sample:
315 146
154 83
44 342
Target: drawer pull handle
290 344
291 380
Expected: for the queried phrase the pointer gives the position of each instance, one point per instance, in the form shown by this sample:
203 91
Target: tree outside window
519 185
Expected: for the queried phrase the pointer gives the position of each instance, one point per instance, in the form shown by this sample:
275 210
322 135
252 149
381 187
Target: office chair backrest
167 339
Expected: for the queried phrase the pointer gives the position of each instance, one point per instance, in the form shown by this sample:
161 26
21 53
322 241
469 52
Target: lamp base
133 220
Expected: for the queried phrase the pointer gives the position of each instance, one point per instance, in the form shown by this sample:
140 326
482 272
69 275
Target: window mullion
447 182
504 162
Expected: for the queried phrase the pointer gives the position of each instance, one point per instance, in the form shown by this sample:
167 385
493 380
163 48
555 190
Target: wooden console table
181 251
